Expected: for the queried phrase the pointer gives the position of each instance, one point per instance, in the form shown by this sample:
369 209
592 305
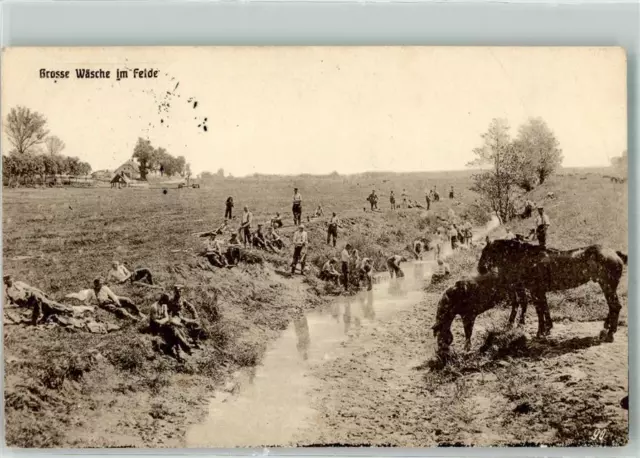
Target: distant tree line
159 160
514 165
35 153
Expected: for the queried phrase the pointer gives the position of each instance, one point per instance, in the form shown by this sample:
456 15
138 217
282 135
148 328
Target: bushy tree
540 150
25 129
145 154
498 183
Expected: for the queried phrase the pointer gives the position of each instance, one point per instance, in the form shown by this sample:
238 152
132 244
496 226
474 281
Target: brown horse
467 298
540 270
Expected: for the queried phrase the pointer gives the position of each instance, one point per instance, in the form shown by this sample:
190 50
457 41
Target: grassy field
75 389
511 389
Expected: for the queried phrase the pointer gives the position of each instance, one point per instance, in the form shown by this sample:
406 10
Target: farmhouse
130 169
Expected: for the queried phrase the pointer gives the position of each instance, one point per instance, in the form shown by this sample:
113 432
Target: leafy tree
25 129
54 145
145 154
539 146
220 173
499 183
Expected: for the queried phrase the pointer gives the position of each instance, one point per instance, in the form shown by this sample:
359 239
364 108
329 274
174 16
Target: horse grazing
467 298
540 270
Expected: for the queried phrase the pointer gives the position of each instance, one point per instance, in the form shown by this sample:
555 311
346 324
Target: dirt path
563 390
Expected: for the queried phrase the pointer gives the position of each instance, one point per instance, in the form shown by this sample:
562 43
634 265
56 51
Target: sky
290 110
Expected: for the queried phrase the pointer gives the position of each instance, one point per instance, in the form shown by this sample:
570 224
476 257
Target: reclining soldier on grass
120 274
21 294
107 300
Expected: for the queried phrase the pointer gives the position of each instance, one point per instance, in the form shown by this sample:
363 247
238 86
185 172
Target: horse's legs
468 322
540 302
521 295
611 322
514 306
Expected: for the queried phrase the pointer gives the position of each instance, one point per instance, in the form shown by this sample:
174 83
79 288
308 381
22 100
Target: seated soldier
215 253
233 251
319 211
120 274
260 240
160 324
107 300
442 271
177 308
276 221
329 272
274 238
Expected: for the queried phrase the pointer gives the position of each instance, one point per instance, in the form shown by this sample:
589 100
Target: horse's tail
622 256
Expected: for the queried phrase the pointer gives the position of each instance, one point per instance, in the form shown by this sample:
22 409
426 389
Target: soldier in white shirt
299 249
542 224
106 299
329 272
245 227
297 207
366 272
332 230
441 272
120 274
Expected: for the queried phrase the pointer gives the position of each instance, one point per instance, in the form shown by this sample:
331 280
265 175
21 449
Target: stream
269 404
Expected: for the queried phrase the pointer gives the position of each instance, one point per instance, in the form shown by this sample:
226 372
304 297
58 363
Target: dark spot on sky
161 121
177 84
205 128
199 125
195 104
55 81
205 119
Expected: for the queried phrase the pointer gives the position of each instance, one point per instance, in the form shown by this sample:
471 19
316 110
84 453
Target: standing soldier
428 199
228 212
404 198
366 272
299 249
453 236
451 194
332 230
297 207
392 200
542 224
345 257
245 227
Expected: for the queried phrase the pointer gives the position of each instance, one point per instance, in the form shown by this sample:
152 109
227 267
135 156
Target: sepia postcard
223 247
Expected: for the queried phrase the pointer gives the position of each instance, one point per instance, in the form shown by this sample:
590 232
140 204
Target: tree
144 153
54 145
187 171
538 144
498 184
220 173
25 129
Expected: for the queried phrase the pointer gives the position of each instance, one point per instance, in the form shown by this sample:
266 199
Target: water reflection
395 287
301 327
335 311
418 271
366 305
346 318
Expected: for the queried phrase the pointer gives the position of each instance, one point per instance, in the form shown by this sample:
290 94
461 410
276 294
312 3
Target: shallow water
268 406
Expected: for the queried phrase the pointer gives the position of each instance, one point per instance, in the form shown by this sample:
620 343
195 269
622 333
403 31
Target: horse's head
444 317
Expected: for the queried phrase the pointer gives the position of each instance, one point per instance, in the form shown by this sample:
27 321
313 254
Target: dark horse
539 270
467 298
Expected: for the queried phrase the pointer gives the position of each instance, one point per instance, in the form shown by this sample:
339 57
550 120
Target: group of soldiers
430 196
171 317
